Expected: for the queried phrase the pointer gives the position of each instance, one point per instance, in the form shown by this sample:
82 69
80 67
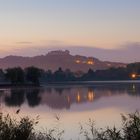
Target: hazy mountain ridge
55 59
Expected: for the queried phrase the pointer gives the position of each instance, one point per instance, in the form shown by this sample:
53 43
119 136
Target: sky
29 26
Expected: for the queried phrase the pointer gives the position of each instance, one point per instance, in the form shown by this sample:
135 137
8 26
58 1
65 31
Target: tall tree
33 74
15 75
59 75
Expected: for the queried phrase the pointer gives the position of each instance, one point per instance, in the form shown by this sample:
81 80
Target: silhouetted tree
134 67
33 74
49 76
59 75
69 76
15 75
2 76
90 75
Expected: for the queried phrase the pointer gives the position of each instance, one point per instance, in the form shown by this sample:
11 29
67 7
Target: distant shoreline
82 83
92 82
14 86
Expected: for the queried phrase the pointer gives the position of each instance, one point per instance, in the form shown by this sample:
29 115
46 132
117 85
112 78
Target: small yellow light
133 75
90 62
77 61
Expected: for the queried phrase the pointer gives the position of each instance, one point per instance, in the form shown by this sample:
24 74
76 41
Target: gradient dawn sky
29 25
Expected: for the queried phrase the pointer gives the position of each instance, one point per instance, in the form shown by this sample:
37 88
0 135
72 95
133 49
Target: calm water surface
73 104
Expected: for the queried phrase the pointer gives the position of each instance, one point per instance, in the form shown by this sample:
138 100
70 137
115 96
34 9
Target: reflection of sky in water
73 104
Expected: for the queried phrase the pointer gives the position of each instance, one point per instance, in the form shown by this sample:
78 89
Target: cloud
128 52
24 42
125 53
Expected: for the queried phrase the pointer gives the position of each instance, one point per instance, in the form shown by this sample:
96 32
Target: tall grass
130 129
24 129
11 129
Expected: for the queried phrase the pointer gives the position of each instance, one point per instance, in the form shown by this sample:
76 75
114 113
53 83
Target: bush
11 129
130 129
131 126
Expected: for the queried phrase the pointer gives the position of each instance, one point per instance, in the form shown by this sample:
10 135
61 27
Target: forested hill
55 59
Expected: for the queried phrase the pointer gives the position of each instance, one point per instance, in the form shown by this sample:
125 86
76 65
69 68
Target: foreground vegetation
10 129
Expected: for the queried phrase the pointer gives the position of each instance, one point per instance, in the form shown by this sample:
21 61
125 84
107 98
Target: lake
72 104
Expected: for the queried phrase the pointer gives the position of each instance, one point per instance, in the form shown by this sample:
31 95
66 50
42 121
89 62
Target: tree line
33 75
18 76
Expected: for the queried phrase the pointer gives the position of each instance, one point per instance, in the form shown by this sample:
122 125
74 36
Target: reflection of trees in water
33 97
67 98
63 97
48 90
134 90
16 98
58 98
130 89
59 90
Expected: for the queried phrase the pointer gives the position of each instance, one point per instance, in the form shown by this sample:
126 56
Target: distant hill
55 59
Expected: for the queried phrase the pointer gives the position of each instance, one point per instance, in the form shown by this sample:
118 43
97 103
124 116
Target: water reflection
64 97
90 95
16 97
33 97
78 97
74 104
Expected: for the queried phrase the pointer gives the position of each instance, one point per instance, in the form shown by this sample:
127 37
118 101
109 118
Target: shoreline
72 83
90 83
19 86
